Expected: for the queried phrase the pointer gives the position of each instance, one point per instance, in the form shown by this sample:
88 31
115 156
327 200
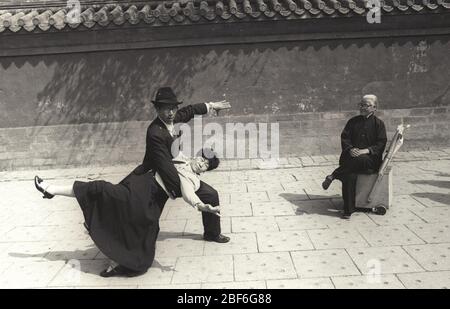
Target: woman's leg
64 190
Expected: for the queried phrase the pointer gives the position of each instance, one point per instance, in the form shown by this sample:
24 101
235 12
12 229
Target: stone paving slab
383 260
199 269
216 178
297 187
86 273
406 188
303 222
160 273
358 219
195 226
249 197
236 210
432 233
319 193
323 263
368 282
432 257
434 214
309 173
3 267
258 187
433 199
262 266
28 251
272 209
26 217
396 216
231 187
333 219
164 213
277 197
27 233
395 235
337 238
171 227
179 246
189 286
5 250
253 224
322 206
308 283
4 229
118 287
73 249
239 243
55 205
235 285
431 185
283 241
426 280
181 212
69 217
68 232
30 274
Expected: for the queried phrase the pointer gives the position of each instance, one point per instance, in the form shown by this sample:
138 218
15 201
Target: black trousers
347 174
208 195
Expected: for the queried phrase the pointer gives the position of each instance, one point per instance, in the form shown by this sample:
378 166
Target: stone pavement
285 231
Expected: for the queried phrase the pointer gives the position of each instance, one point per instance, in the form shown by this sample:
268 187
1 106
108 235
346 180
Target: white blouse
189 181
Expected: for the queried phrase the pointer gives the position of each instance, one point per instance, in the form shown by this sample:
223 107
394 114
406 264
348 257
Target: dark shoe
379 210
37 183
219 238
327 182
346 216
120 271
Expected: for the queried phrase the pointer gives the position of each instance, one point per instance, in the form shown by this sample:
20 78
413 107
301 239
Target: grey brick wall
304 134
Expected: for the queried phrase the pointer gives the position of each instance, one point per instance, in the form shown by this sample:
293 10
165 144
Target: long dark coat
361 132
123 219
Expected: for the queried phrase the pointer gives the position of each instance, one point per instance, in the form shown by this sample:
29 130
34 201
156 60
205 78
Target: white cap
371 97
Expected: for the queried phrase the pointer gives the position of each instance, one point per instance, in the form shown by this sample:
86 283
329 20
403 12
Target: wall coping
331 115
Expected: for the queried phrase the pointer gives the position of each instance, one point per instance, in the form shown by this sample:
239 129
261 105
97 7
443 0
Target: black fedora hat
165 95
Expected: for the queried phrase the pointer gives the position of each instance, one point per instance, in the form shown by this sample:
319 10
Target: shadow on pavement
435 197
299 200
442 174
168 235
294 197
85 265
437 183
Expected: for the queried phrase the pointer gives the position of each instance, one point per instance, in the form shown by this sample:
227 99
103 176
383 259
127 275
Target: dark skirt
122 219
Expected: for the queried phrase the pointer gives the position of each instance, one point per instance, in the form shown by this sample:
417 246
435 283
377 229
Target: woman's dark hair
211 156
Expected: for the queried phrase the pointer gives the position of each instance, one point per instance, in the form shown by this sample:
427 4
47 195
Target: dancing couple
123 219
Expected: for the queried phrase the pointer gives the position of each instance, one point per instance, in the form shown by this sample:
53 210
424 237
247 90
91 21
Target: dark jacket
361 132
158 155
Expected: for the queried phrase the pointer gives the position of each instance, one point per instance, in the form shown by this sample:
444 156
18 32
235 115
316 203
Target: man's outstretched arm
186 113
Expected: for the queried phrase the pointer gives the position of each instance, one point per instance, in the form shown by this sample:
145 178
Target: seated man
363 141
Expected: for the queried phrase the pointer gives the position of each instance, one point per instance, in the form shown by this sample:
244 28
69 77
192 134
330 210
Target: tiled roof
188 12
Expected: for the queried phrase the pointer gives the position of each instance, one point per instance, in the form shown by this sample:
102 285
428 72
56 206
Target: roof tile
187 11
57 20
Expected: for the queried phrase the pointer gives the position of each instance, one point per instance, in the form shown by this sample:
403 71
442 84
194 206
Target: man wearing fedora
158 155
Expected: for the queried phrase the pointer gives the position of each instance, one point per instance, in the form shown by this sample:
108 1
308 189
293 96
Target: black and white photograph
202 146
